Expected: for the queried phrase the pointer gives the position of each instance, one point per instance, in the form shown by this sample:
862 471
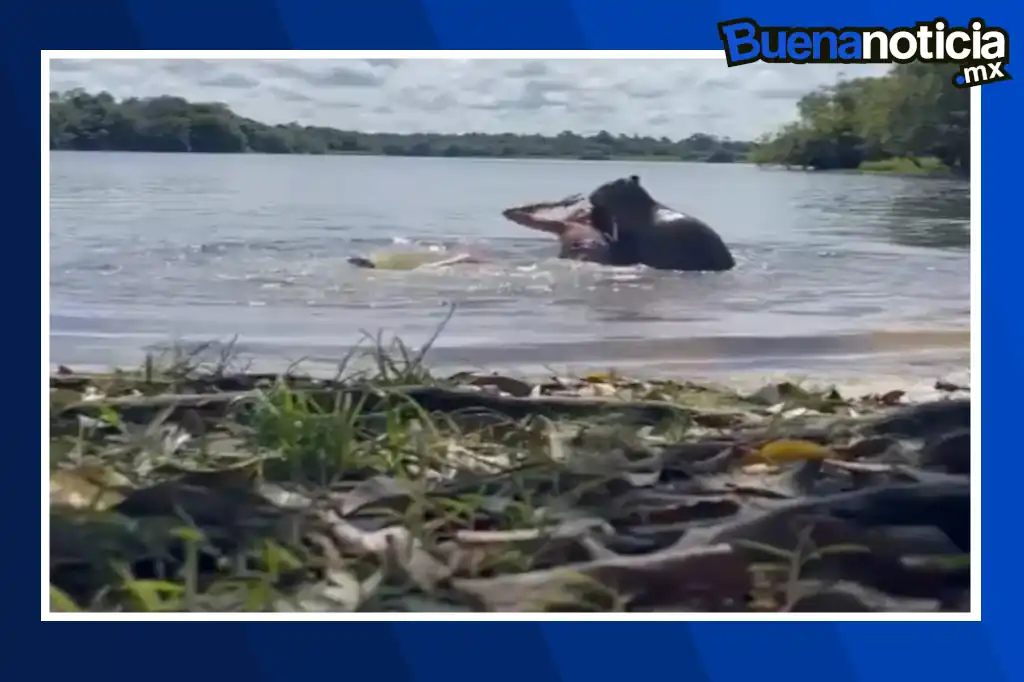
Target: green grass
926 165
897 166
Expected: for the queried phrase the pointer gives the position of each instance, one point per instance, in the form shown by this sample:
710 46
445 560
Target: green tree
911 112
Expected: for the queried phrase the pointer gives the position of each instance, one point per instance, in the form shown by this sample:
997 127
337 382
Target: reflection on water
832 267
932 219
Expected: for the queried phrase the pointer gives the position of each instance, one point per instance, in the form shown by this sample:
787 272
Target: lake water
840 275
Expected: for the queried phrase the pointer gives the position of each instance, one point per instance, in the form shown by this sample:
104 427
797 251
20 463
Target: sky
671 98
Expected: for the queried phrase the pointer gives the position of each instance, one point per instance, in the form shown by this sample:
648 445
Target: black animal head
618 207
622 195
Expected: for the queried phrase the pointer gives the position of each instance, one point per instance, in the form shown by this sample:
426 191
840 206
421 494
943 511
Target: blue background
569 651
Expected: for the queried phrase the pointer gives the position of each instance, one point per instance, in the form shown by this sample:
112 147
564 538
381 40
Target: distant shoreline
83 121
511 157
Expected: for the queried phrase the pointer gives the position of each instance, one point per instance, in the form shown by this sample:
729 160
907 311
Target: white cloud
674 98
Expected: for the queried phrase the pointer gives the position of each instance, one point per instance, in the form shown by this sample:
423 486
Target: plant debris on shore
187 488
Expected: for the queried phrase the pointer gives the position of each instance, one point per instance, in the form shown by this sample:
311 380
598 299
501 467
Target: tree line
913 113
80 120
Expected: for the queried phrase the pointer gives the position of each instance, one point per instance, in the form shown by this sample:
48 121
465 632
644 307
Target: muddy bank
207 490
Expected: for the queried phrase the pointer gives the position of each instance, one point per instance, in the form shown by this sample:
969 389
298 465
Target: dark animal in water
641 230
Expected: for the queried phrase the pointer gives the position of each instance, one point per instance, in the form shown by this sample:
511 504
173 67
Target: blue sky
674 98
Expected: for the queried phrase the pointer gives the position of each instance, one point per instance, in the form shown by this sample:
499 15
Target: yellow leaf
782 451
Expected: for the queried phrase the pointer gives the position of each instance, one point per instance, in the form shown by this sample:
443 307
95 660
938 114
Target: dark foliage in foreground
184 489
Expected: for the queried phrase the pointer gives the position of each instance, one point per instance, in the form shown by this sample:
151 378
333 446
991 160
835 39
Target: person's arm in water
526 215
